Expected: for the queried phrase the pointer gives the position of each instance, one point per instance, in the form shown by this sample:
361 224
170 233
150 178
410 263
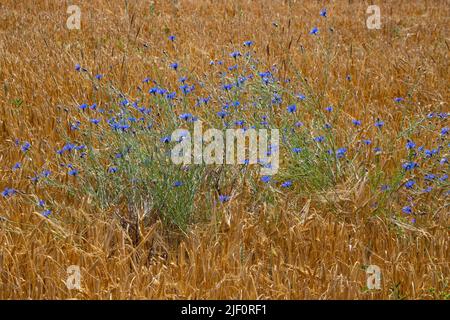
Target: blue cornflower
340 153
409 184
276 99
266 77
444 131
429 176
266 179
172 38
377 149
297 150
45 173
398 100
95 121
224 198
235 54
292 108
301 97
409 165
162 91
46 213
18 165
329 108
80 147
248 43
77 67
314 31
171 95
222 114
227 87
286 184
367 142
319 139
174 65
41 203
187 89
67 147
8 192
153 90
385 187
379 123
410 144
427 190
177 184
75 125
356 122
327 126
241 80
83 106
444 177
73 172
112 169
407 210
186 116
323 13
165 139
25 146
99 76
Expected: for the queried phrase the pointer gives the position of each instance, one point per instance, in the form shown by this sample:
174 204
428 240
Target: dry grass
299 249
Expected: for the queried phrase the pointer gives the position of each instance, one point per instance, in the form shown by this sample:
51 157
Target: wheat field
309 233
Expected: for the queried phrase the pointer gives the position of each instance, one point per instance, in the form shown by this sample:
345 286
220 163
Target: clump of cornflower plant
119 151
